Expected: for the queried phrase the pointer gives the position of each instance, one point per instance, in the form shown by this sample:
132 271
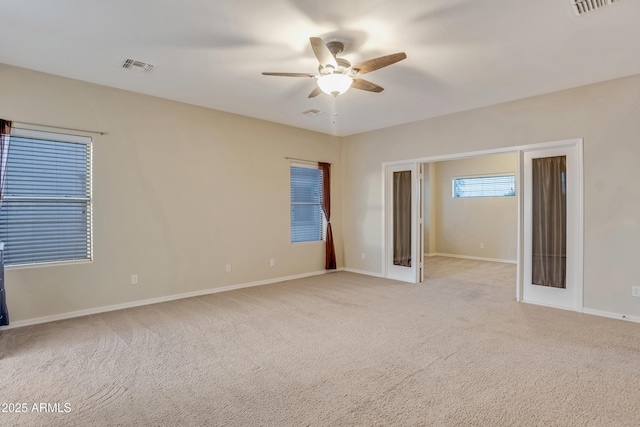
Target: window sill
46 264
307 243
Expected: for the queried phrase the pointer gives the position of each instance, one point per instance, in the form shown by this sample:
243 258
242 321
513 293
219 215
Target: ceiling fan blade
374 64
322 52
366 85
317 91
289 74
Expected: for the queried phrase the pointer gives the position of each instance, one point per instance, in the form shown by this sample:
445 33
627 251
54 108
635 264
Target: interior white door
553 210
401 212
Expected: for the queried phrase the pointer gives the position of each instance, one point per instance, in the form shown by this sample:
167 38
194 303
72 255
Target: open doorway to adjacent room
520 205
470 218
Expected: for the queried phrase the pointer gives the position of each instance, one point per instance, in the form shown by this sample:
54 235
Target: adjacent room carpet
331 350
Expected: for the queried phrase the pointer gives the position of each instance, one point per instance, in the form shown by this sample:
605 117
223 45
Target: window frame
481 176
65 138
323 232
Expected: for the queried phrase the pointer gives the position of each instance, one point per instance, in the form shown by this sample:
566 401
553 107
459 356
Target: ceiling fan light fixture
335 84
336 75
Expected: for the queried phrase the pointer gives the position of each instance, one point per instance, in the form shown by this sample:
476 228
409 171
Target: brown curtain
549 205
5 131
402 218
330 251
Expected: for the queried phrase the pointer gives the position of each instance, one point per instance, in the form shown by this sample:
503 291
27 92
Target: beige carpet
333 350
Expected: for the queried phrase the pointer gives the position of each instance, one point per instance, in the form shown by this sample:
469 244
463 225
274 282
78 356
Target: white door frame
520 149
407 274
557 298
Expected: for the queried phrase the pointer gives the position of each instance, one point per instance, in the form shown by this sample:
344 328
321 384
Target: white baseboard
557 307
600 313
610 315
430 254
132 304
366 273
476 258
115 307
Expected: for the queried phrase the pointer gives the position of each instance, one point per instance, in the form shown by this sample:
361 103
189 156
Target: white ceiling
461 54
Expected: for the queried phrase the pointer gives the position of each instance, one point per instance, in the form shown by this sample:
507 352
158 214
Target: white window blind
307 218
46 208
485 186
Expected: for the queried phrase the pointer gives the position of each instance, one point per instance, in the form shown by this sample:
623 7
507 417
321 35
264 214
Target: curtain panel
402 218
549 220
330 251
5 131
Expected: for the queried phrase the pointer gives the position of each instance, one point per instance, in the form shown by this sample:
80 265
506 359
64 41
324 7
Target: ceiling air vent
584 6
311 112
143 67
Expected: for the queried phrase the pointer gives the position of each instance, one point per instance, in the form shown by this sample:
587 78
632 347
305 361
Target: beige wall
604 114
179 191
463 224
433 212
426 208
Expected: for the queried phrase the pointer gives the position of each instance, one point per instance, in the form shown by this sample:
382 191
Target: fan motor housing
335 47
344 67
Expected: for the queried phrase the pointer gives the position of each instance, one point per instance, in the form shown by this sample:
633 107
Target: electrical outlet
134 279
228 268
362 255
481 245
272 262
635 291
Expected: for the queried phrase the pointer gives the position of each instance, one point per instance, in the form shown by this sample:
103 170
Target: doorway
572 297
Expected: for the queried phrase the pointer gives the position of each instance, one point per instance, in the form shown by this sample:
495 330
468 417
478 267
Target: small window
46 207
307 217
485 186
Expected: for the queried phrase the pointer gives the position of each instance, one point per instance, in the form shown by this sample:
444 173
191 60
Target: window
485 186
307 218
46 208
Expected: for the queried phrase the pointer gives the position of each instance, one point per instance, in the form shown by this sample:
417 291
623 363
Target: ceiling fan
336 75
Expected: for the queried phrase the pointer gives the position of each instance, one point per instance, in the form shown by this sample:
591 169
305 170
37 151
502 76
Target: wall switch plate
272 263
635 291
362 255
228 268
134 279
